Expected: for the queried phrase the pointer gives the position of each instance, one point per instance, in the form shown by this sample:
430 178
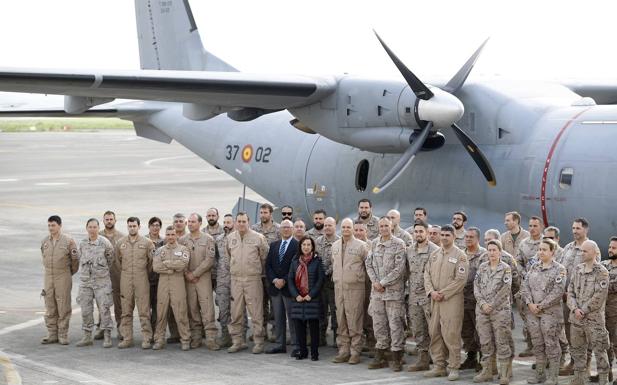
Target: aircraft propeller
435 108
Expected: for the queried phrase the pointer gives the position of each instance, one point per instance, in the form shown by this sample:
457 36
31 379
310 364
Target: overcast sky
529 39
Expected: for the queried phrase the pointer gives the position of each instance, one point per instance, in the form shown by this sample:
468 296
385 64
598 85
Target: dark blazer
276 269
312 309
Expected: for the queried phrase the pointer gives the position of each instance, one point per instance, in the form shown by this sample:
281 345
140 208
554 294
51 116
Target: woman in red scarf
306 277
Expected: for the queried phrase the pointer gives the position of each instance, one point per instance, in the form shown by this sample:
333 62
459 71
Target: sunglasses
286 214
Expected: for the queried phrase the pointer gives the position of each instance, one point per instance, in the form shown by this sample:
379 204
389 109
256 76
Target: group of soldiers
382 283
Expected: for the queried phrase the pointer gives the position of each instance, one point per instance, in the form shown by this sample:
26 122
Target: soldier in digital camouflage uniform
96 255
541 293
386 267
365 215
611 301
587 294
418 304
493 292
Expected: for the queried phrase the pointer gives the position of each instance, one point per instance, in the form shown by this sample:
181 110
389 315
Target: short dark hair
267 206
365 200
304 238
215 210
320 211
475 230
461 213
109 212
169 228
422 223
583 222
613 239
288 207
92 220
154 220
448 228
228 215
134 219
421 208
242 213
55 218
554 229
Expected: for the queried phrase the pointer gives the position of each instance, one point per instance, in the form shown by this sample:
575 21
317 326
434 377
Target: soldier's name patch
452 260
178 253
141 246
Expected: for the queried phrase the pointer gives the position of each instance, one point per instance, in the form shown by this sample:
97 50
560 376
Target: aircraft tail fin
169 39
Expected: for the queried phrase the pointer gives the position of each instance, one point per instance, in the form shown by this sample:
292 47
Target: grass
63 124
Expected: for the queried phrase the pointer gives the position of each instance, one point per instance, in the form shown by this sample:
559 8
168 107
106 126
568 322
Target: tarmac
81 175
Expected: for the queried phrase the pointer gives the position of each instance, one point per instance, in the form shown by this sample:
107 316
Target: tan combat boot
63 339
237 346
354 359
395 364
258 348
158 345
211 344
107 339
146 344
579 378
486 374
379 361
50 338
552 377
503 366
437 371
539 375
98 334
125 343
421 364
86 340
341 357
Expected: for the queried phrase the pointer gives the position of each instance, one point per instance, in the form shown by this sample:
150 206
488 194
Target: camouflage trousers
388 324
223 301
593 337
545 331
611 326
419 316
495 334
469 333
103 297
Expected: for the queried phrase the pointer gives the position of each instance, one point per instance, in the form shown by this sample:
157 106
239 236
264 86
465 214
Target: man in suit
277 270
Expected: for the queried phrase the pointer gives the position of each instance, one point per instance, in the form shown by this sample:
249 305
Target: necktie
282 250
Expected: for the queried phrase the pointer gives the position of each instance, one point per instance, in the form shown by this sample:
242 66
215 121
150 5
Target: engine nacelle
377 116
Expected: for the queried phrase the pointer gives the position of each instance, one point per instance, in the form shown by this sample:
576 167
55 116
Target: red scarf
302 274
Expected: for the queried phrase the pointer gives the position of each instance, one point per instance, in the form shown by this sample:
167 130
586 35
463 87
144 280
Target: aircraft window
362 175
565 178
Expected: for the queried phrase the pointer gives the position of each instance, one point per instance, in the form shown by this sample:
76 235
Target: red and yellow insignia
247 153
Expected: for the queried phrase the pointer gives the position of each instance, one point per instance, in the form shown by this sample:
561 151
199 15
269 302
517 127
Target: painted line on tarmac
51 184
54 371
9 180
149 162
28 324
11 375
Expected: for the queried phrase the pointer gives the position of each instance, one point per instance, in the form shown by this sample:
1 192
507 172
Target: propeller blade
458 80
476 154
405 160
419 88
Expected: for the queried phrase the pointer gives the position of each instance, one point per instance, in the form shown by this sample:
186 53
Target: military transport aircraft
486 147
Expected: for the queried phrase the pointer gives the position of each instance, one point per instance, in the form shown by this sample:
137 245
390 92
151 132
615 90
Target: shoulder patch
603 284
506 278
461 269
123 246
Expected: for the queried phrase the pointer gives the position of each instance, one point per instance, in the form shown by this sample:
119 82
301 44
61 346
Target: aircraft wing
603 92
225 89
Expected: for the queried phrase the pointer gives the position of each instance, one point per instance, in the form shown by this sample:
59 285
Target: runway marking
28 324
53 371
149 162
11 375
51 184
9 180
